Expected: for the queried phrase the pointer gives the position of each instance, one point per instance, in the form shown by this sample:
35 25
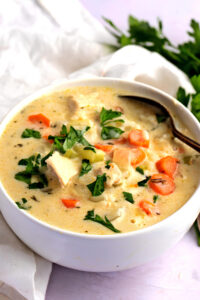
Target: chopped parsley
161 118
96 218
90 148
86 167
107 166
43 160
140 170
32 164
23 204
106 117
144 182
28 133
97 187
155 198
66 140
110 132
128 197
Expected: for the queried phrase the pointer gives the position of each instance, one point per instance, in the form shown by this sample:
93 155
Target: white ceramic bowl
111 252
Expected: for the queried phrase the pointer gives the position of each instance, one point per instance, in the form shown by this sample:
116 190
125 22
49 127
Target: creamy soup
88 161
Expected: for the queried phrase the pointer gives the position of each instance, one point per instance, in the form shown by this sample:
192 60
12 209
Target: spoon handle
185 139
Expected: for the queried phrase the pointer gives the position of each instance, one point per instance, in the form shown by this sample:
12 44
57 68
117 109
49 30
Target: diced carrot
147 206
70 203
139 138
167 165
103 147
39 118
137 156
162 184
45 137
122 157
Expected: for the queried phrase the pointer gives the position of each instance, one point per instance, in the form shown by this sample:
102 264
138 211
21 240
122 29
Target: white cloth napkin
41 44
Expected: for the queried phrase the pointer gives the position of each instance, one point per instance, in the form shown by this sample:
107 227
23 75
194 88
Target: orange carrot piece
137 156
103 147
139 138
39 118
147 206
45 137
167 165
70 203
162 184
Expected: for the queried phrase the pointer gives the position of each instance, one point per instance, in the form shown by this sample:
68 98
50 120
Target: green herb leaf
185 56
28 133
32 164
140 170
110 132
96 218
36 185
23 176
155 198
128 197
110 114
43 160
161 118
182 96
90 148
86 167
195 105
97 187
22 204
195 80
71 139
144 182
107 166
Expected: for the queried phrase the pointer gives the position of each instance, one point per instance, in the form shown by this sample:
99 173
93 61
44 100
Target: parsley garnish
144 182
66 140
96 218
86 167
106 117
128 197
32 164
28 133
107 166
155 198
97 187
140 170
161 118
90 148
22 204
43 160
110 132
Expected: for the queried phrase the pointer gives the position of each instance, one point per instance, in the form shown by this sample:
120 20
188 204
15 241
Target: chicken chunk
63 167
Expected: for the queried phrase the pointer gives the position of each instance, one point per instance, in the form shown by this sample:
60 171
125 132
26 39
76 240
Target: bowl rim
55 86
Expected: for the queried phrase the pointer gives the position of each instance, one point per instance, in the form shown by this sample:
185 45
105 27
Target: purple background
176 275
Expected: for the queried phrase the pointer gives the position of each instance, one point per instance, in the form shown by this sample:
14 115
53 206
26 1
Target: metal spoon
185 139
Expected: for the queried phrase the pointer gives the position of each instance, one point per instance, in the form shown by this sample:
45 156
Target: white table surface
75 285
